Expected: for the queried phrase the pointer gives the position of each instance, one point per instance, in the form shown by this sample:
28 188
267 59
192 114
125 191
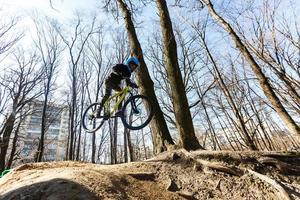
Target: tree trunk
131 153
93 147
183 117
159 128
69 133
125 146
9 125
113 147
40 150
241 123
13 148
115 134
224 130
72 124
263 80
144 145
266 57
260 122
128 141
79 139
84 147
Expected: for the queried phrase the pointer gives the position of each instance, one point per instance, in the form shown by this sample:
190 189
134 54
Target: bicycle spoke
90 122
136 114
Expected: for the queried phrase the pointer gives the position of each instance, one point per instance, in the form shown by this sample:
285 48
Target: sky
63 9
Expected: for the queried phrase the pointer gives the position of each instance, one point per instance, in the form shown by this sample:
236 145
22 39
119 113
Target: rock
187 195
172 186
175 156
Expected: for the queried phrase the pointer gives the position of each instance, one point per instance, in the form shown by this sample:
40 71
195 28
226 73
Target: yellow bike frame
122 94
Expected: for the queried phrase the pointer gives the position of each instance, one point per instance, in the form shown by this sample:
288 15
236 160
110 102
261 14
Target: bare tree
8 36
75 46
3 103
100 68
49 49
101 147
15 150
276 47
161 134
156 58
240 120
183 117
22 84
262 78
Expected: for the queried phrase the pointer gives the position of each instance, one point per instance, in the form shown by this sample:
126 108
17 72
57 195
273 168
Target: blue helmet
132 60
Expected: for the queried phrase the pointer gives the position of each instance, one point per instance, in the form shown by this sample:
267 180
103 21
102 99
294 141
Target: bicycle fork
134 107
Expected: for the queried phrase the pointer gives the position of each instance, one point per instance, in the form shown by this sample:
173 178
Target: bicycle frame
122 94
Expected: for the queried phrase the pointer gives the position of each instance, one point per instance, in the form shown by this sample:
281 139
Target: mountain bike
136 112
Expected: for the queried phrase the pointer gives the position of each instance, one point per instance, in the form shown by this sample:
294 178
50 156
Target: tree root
283 167
204 161
220 167
205 165
232 170
283 193
238 157
237 171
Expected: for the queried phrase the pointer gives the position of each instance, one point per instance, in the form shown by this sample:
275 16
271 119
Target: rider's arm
130 83
121 70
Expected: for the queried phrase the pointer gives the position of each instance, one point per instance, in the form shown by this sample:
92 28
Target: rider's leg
118 112
106 96
108 91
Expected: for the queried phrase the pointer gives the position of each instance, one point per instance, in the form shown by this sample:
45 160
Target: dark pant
108 91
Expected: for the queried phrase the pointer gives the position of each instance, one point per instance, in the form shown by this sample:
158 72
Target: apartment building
56 132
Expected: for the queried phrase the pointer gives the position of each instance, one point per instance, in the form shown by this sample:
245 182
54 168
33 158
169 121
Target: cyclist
113 81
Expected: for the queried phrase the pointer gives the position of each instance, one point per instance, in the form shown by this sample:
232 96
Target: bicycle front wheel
137 112
90 123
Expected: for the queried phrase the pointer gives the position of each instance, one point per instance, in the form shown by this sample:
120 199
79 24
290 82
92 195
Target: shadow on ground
55 189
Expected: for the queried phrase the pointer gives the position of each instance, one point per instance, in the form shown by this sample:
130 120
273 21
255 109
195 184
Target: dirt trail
172 175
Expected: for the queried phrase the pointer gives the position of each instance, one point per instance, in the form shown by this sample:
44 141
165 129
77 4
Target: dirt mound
171 175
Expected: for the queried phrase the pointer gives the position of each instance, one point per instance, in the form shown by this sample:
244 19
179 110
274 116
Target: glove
133 85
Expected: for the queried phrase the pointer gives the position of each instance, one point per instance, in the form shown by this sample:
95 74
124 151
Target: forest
221 75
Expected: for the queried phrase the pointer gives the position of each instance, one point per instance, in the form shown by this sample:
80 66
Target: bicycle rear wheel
89 122
137 112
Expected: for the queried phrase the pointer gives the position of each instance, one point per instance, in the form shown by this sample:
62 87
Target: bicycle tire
85 118
127 104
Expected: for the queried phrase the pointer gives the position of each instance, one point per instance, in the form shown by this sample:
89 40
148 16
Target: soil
171 175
